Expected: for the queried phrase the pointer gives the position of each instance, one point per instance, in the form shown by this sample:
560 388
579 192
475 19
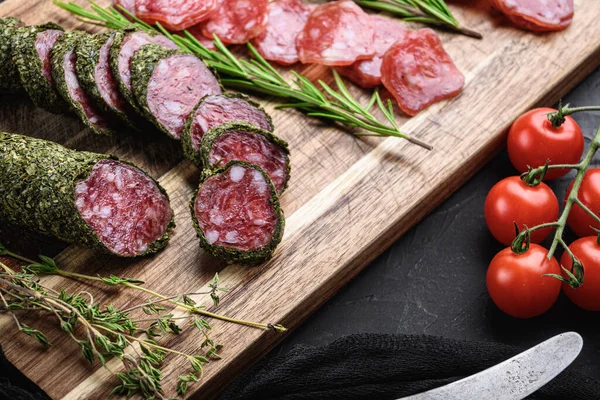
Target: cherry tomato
512 200
589 194
516 285
532 140
587 251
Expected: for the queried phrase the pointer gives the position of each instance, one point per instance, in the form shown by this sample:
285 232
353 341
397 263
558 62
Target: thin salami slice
124 46
32 49
286 18
537 15
245 142
168 84
128 5
85 198
418 72
216 110
9 75
237 215
367 73
196 32
336 33
64 73
175 15
237 21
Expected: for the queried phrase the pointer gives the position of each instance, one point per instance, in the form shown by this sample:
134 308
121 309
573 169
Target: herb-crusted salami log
90 199
9 76
237 215
32 50
168 84
244 142
64 73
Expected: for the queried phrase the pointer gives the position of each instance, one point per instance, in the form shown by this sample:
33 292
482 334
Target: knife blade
515 378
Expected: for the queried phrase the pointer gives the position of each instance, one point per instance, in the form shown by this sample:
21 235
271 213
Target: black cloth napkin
368 366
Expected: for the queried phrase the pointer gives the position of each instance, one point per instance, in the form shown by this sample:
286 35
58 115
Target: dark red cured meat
177 84
196 32
129 5
253 148
286 18
125 208
175 15
105 80
217 110
367 73
131 44
234 209
44 43
237 21
537 15
418 72
337 33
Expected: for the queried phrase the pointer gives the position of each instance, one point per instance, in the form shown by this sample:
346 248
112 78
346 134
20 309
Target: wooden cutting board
348 199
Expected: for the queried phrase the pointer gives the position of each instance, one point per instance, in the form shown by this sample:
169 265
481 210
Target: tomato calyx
575 275
534 176
522 241
557 118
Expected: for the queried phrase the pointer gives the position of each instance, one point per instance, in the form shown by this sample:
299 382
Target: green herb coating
186 136
30 67
9 76
37 190
68 42
233 256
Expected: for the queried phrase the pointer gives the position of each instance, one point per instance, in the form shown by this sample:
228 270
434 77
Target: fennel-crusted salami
9 76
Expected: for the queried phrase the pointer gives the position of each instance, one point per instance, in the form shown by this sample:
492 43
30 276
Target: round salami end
367 73
168 84
216 110
337 33
418 72
9 76
245 142
237 215
175 15
286 18
537 15
237 21
126 208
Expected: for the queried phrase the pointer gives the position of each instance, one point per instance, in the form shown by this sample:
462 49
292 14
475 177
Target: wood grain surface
348 198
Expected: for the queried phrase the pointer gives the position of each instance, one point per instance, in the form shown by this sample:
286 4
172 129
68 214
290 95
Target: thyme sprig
257 75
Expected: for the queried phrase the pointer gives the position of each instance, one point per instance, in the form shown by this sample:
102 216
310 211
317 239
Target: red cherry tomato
512 200
532 140
589 194
587 251
516 285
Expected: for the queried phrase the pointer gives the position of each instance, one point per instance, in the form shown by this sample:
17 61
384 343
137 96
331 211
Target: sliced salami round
245 142
216 110
237 21
9 76
237 215
196 32
418 72
32 50
286 18
168 84
367 73
125 45
336 33
64 74
89 199
175 15
537 15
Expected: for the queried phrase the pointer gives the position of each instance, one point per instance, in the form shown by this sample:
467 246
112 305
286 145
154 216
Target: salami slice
168 84
418 72
237 21
286 18
64 74
9 76
537 15
245 142
32 49
196 32
237 215
85 198
175 15
336 33
216 110
128 5
125 45
367 73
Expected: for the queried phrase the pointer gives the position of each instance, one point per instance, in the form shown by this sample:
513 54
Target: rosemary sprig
258 76
432 12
